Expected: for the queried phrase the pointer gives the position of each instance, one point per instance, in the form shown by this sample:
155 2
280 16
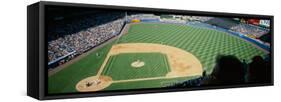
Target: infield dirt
182 63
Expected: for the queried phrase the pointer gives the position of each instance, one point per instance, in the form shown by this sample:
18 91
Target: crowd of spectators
243 28
197 18
173 21
143 17
225 23
250 29
229 70
73 38
182 19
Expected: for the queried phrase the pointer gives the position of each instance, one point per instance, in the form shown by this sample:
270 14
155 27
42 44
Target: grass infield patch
119 66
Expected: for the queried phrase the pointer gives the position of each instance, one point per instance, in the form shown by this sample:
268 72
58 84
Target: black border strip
43 65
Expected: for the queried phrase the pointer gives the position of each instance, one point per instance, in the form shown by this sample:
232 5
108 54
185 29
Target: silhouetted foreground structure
229 70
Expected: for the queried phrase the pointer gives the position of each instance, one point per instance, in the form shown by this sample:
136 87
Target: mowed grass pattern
205 44
119 66
65 80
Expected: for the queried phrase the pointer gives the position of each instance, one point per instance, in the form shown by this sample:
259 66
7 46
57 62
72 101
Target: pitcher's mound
137 64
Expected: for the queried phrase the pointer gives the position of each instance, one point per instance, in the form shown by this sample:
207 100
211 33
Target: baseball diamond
119 66
167 53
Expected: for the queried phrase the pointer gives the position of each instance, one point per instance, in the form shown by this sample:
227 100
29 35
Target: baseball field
150 55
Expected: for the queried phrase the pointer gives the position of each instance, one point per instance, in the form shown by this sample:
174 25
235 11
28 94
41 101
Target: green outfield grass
65 80
119 66
205 44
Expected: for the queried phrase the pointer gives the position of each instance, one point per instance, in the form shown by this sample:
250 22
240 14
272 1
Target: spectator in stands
228 71
250 30
246 70
74 37
260 71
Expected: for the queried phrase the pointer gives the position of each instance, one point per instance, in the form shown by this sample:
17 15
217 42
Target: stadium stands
144 17
225 23
68 39
243 28
173 21
250 29
197 18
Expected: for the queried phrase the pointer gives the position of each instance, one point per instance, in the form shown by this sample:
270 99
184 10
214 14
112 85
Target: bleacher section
69 38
